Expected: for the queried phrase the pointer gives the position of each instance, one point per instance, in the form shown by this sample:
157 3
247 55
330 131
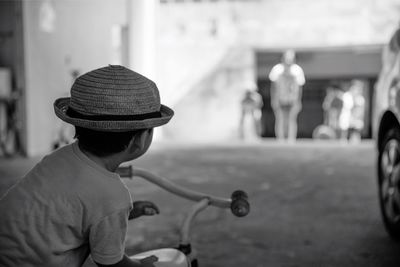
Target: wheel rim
390 193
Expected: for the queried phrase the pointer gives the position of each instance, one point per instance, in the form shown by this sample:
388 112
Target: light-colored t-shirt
288 81
66 207
294 69
345 114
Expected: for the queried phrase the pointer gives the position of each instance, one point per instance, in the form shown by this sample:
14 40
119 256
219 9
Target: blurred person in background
357 112
345 115
286 91
250 117
332 107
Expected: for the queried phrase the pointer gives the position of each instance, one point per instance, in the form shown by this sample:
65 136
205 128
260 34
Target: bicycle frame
237 203
179 190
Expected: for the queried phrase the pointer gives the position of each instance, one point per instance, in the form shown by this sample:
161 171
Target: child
72 203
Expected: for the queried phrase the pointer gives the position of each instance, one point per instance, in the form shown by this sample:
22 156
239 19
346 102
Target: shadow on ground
313 204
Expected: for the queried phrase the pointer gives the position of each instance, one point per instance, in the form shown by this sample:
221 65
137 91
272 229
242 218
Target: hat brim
61 106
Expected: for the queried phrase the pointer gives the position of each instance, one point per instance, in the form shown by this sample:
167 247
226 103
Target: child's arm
107 241
127 262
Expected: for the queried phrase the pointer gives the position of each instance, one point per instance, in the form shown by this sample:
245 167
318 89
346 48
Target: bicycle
184 255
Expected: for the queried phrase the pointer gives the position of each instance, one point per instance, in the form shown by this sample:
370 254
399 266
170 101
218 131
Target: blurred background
314 201
201 54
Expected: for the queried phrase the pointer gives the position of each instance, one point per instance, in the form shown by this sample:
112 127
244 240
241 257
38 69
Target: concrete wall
205 60
74 35
210 111
281 23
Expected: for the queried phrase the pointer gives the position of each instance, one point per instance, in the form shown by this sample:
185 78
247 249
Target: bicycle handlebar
238 202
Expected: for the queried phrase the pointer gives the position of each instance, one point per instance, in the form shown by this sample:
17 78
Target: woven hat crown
114 90
114 99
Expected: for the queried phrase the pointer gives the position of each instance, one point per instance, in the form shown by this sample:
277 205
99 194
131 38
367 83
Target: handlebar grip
239 194
125 172
240 206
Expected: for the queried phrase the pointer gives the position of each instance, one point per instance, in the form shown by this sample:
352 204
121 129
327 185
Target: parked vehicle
386 128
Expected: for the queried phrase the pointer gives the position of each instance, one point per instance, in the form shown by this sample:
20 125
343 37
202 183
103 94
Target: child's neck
109 163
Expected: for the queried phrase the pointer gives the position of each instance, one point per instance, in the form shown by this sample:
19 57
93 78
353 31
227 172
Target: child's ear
138 142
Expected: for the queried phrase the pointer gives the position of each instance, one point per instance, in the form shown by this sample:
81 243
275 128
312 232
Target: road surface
312 204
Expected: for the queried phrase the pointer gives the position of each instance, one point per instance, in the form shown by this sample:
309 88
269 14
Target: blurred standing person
357 111
345 115
250 117
332 106
286 91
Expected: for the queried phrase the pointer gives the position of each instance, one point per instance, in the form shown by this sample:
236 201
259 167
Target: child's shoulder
58 158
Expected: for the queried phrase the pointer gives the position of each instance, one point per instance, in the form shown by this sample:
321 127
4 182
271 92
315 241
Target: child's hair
103 144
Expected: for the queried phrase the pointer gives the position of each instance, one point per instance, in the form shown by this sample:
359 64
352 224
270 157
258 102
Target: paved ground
313 204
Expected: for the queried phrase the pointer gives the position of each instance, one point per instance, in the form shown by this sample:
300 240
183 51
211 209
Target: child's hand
141 208
148 262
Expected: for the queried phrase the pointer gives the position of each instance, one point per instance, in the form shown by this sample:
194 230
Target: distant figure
250 119
332 106
345 115
287 80
357 112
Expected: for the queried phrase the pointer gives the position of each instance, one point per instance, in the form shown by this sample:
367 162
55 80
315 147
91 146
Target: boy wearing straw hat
72 203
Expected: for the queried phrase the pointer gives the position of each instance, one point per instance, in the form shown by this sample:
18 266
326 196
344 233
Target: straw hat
114 99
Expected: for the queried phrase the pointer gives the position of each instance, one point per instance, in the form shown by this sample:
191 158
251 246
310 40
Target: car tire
389 181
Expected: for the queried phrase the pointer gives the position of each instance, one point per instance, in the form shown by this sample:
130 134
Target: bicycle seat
167 257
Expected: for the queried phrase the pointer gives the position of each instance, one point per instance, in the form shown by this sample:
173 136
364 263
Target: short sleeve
299 73
275 72
107 238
